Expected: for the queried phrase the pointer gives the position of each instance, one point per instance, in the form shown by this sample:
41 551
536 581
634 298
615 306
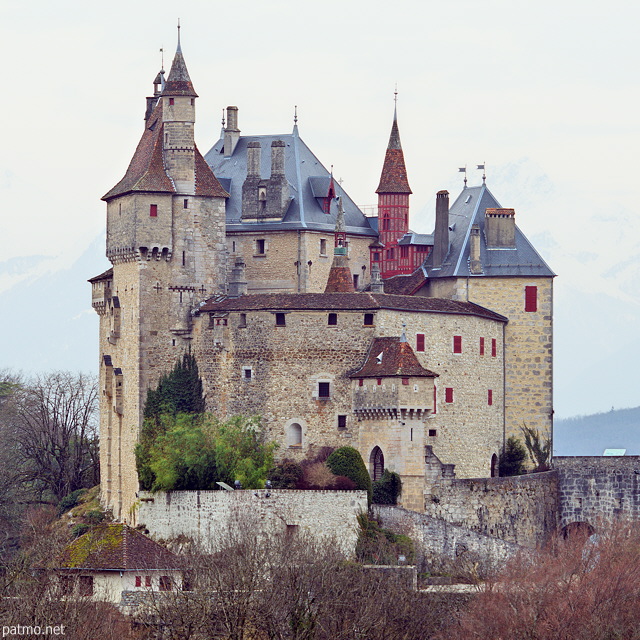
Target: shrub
286 475
70 501
387 489
79 530
512 458
376 545
348 462
95 516
318 476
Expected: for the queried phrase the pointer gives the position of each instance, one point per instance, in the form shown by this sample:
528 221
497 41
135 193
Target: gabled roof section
308 180
116 547
406 285
179 83
394 172
106 275
206 182
146 169
391 357
469 209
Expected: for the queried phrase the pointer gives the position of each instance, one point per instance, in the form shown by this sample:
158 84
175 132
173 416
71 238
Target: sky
545 94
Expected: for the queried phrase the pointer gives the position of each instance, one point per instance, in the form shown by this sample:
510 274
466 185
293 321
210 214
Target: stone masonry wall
207 516
519 509
594 488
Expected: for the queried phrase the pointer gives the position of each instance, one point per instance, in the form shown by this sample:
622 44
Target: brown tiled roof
206 182
389 357
107 275
405 285
116 547
179 83
394 173
340 280
361 301
146 169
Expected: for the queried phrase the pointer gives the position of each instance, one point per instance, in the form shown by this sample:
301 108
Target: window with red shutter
494 347
457 344
490 397
448 395
405 380
147 581
153 210
360 382
531 298
379 380
138 581
481 346
419 341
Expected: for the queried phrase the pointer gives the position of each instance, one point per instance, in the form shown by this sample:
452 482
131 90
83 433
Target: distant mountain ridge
591 435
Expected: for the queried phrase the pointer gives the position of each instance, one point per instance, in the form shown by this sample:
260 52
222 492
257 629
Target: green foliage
285 475
195 451
376 545
70 501
387 489
95 516
539 452
512 458
79 530
179 391
348 462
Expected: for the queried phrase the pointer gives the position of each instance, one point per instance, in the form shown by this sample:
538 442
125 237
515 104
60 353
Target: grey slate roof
411 238
467 210
308 180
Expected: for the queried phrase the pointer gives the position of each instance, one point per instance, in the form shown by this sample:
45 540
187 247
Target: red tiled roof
206 182
361 301
389 357
116 547
179 83
405 285
339 280
394 173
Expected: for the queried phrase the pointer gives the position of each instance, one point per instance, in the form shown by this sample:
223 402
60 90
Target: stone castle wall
207 516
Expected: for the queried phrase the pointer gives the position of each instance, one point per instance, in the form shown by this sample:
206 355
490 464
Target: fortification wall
594 488
519 509
208 516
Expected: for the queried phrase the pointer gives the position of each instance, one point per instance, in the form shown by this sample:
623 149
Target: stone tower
166 242
393 208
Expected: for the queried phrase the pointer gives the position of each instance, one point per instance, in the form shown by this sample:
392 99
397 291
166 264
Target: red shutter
481 346
153 210
360 382
138 581
448 394
531 298
457 344
147 581
379 380
419 341
490 397
494 347
405 380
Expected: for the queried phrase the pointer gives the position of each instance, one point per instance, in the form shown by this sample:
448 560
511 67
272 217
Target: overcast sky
545 93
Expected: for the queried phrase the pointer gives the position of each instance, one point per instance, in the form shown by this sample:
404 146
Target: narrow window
165 583
260 247
85 586
435 399
457 344
147 581
153 210
247 373
368 319
342 422
448 395
333 319
324 390
404 252
138 581
376 256
184 258
192 101
243 321
405 381
171 101
433 433
494 347
281 320
481 346
386 225
419 341
323 247
360 382
531 298
185 203
490 397
379 381
355 280
233 247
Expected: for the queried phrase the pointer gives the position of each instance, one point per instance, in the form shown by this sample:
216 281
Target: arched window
376 463
294 435
494 466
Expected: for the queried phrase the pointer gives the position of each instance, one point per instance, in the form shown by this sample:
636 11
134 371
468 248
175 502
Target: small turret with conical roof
340 279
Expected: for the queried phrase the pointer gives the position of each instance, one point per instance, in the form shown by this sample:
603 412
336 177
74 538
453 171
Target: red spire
394 173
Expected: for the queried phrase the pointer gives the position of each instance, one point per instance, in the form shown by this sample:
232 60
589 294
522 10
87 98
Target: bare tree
56 433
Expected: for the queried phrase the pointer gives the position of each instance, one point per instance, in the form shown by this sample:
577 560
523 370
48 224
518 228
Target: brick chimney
441 235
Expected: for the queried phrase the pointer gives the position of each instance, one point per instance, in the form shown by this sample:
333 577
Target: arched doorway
376 463
577 531
494 466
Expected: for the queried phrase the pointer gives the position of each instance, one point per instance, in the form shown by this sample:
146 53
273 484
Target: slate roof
398 360
116 547
361 301
394 172
469 209
411 238
146 170
308 180
106 275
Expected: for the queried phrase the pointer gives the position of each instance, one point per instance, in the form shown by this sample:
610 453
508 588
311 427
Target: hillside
591 435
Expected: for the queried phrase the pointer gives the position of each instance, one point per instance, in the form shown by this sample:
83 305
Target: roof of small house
105 275
116 547
391 357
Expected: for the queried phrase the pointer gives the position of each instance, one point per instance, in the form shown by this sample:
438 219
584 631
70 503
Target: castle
334 327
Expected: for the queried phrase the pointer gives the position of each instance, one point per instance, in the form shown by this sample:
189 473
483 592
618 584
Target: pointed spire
179 83
340 279
394 173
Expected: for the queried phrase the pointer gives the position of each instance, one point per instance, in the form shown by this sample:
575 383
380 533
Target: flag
481 166
462 169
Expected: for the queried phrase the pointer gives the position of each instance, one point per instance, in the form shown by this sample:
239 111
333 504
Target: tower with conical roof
393 208
166 242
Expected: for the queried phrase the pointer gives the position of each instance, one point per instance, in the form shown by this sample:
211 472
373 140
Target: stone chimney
278 187
251 188
377 283
441 235
237 281
500 228
231 132
475 265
